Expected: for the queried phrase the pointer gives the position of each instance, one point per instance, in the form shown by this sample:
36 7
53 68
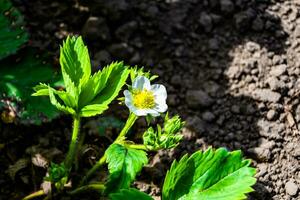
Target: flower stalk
99 187
129 123
34 195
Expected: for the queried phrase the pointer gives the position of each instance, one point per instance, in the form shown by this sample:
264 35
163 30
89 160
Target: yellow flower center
143 99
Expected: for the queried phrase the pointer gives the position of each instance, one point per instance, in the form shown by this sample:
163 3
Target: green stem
35 194
74 142
129 123
137 146
94 186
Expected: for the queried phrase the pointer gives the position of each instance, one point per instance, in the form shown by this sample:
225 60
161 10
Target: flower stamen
143 99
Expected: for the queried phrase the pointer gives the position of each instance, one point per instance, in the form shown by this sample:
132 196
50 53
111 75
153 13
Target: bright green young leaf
115 81
114 84
75 62
57 104
130 194
12 33
209 175
92 110
98 82
16 82
123 165
41 90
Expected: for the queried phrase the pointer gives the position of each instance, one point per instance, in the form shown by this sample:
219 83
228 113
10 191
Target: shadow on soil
192 41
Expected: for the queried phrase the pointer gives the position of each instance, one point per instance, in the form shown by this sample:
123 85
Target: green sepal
135 72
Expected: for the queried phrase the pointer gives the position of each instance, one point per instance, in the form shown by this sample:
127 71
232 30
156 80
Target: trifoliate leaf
97 83
75 62
123 165
16 82
12 33
130 194
115 82
92 110
209 175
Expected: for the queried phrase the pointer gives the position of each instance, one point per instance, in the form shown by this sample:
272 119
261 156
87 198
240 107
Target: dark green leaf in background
12 33
16 82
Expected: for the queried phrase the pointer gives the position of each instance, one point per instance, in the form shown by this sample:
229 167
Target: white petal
145 112
155 114
159 91
128 99
139 112
141 83
162 107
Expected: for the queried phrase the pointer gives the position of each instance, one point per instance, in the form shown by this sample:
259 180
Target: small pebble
291 188
271 115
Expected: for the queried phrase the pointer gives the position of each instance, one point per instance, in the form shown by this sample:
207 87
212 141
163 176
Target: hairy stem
129 123
34 195
74 142
94 186
137 146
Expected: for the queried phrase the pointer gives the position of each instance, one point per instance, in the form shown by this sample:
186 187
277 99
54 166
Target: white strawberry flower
145 98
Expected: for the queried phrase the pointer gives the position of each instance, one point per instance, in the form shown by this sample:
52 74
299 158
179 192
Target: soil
231 68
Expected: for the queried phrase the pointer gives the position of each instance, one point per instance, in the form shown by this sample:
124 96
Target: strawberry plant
208 175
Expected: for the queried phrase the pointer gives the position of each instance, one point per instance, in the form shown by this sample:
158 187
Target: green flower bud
165 138
173 125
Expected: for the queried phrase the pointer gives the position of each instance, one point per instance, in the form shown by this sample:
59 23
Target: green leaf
92 110
38 110
130 194
106 86
12 33
16 82
41 90
57 104
75 62
97 83
123 165
114 84
209 175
